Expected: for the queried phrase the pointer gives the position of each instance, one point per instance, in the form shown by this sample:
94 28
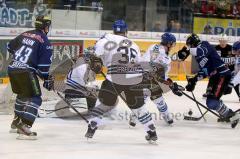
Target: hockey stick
200 104
185 94
114 88
188 117
195 118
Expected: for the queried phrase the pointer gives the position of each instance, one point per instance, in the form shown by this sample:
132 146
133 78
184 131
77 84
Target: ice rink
64 139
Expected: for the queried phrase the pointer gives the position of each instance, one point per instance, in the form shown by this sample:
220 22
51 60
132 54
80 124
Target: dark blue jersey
32 50
209 61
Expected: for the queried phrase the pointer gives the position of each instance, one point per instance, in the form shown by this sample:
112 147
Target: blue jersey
31 50
209 61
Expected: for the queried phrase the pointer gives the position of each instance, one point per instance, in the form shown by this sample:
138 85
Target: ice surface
64 139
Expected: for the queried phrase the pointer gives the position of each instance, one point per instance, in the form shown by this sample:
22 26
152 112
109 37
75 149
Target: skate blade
25 137
13 131
151 142
235 120
235 117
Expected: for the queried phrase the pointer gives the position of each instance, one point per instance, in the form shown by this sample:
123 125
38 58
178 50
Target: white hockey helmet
223 37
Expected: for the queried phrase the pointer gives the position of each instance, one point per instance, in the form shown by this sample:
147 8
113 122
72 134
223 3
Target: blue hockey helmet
120 26
168 38
236 46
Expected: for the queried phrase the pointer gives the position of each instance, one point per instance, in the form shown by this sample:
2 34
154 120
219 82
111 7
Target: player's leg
26 85
157 98
108 100
209 86
236 88
213 100
135 101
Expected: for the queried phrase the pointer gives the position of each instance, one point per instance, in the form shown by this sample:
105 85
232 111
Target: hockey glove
191 84
183 53
49 83
174 87
96 64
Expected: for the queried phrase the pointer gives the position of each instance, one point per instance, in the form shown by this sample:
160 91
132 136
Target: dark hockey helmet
42 22
193 40
120 26
168 38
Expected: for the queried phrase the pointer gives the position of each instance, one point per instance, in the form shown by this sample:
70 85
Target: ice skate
168 119
13 128
23 130
92 127
234 118
25 133
151 136
133 120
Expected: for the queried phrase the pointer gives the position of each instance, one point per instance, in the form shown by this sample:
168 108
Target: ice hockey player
225 52
236 51
210 65
158 54
81 74
31 57
121 57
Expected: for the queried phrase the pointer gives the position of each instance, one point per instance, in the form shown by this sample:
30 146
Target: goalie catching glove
49 83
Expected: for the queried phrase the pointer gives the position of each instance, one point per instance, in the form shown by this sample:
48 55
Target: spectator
177 28
207 30
208 7
223 7
236 9
196 5
157 27
169 26
98 5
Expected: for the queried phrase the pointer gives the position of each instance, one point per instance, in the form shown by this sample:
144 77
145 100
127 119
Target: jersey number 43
23 54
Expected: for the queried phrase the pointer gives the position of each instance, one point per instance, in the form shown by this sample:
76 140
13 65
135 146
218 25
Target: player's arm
13 45
45 60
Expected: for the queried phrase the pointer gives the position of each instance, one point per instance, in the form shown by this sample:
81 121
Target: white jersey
121 56
156 53
236 79
80 75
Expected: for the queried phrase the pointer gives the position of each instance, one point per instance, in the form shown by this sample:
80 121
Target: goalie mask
95 64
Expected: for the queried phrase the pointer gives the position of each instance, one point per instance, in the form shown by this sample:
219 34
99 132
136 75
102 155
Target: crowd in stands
219 8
